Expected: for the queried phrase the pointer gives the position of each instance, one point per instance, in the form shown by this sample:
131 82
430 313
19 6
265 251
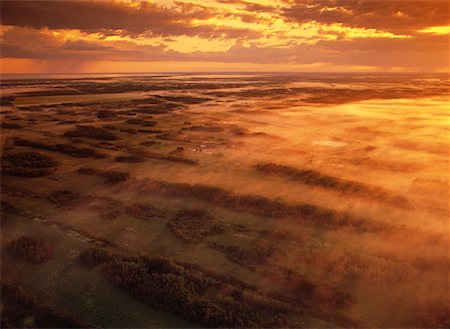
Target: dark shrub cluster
30 160
28 164
111 127
141 122
128 131
31 249
110 177
101 114
256 253
91 132
143 211
148 143
93 257
26 172
193 225
199 295
432 313
10 125
312 177
6 101
33 108
150 131
77 152
207 128
184 99
322 217
18 306
161 108
172 158
133 158
7 208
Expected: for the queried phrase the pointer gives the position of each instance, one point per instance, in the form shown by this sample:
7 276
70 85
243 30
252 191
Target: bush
193 225
105 114
94 257
142 211
200 295
30 160
7 208
141 122
10 125
26 172
312 177
134 158
91 132
31 249
258 252
77 152
263 206
110 177
432 313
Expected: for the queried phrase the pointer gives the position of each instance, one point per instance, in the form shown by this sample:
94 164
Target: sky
224 36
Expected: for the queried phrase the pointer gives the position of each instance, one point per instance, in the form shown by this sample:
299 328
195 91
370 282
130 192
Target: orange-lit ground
337 182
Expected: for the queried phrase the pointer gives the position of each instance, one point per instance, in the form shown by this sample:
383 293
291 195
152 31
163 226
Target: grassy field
302 206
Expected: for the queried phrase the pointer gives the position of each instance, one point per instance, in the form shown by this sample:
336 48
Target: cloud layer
380 35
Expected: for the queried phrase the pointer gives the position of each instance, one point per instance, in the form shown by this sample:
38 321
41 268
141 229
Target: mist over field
225 200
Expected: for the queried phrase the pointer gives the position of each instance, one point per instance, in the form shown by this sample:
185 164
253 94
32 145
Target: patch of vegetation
141 122
111 127
26 172
133 158
162 108
258 252
128 131
101 114
6 101
207 128
31 249
76 152
30 160
110 177
197 294
193 225
7 208
164 157
184 99
143 211
149 143
20 309
91 132
150 131
263 206
432 313
10 125
312 177
33 108
28 164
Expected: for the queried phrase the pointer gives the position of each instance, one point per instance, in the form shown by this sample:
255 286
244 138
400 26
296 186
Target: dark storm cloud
402 16
107 16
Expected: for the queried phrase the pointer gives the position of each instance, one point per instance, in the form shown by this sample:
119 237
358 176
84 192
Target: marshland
250 200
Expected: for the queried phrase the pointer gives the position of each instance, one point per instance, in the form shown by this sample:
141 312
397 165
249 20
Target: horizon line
228 73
